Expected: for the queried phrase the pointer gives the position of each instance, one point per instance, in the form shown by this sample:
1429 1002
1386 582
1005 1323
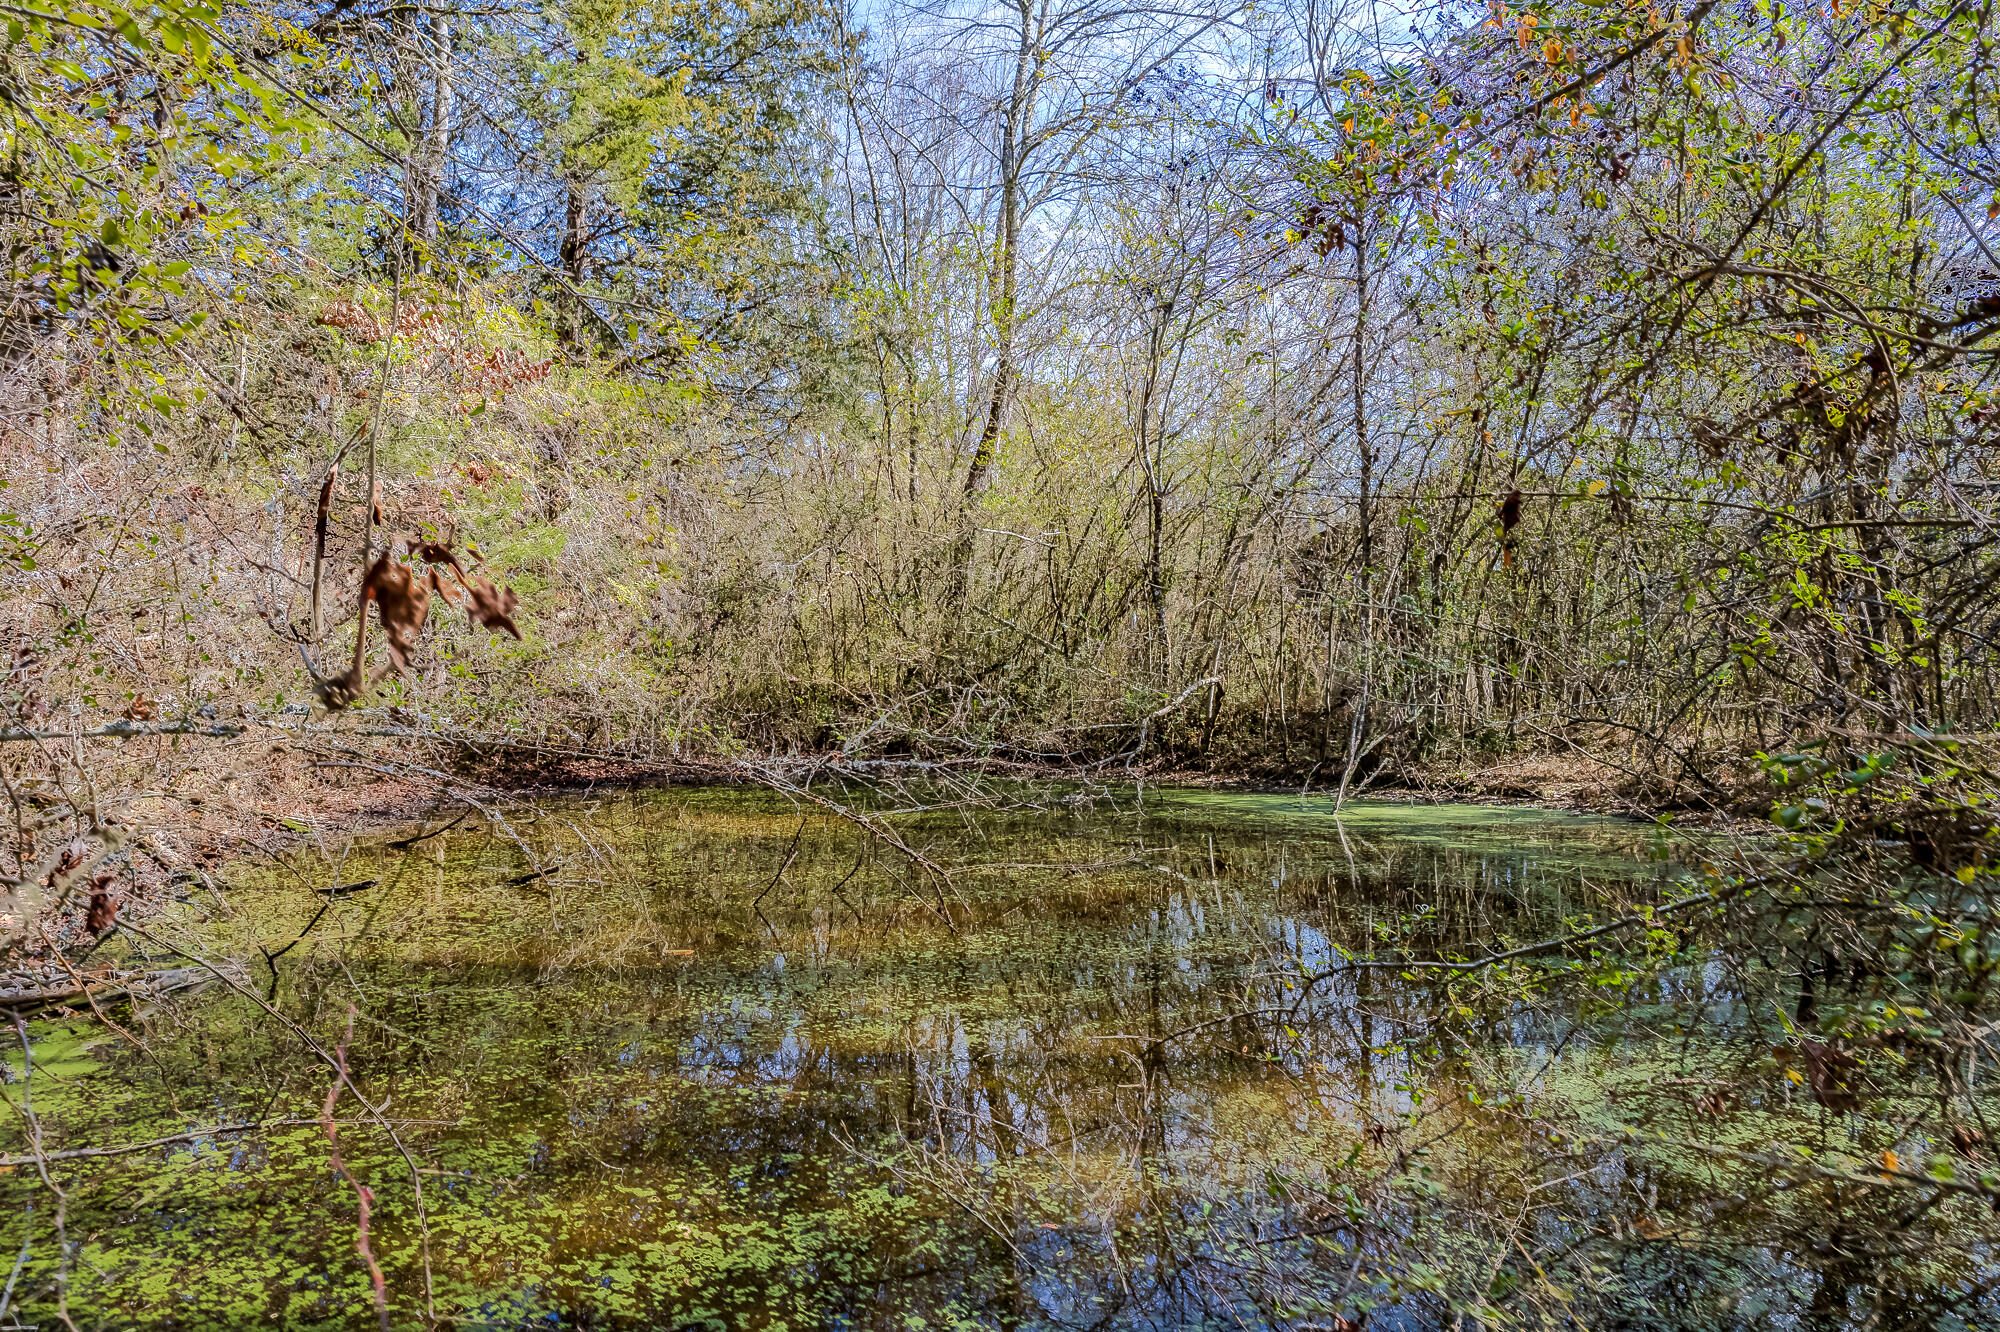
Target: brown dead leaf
439 588
104 899
342 689
402 602
141 708
1509 518
436 552
491 605
103 911
1833 1075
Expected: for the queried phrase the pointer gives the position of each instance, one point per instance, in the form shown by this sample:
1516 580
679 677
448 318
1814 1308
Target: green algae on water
700 1058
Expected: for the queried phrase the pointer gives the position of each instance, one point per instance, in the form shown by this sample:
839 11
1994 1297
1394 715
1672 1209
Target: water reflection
730 1065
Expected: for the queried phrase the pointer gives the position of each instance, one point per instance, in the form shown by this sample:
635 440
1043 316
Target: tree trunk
1363 445
437 143
1149 472
1006 264
1005 280
407 114
574 255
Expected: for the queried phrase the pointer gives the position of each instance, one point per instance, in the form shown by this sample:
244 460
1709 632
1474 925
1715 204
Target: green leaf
133 37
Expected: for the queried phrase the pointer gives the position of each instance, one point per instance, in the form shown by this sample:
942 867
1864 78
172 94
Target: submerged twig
364 1197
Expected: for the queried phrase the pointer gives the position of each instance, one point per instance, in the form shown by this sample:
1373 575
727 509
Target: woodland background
1341 394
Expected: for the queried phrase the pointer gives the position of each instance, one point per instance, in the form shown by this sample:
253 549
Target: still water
700 1058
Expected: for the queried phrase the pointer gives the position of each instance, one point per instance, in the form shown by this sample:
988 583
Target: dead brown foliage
492 606
1833 1075
403 600
403 603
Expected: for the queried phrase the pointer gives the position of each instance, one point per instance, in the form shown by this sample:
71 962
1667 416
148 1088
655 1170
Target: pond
710 1058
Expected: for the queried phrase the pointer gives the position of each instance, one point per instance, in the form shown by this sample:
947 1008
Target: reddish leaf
103 912
492 606
402 602
1832 1073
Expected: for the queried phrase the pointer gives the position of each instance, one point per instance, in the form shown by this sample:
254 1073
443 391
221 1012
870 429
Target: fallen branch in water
122 729
405 843
112 986
346 888
521 880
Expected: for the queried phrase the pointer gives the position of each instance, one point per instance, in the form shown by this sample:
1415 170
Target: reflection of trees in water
1430 1148
1106 1094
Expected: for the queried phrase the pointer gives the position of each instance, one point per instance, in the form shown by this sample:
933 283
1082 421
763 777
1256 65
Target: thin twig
364 1196
27 1108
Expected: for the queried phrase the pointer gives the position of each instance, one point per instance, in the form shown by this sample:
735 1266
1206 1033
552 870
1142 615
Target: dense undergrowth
1523 395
